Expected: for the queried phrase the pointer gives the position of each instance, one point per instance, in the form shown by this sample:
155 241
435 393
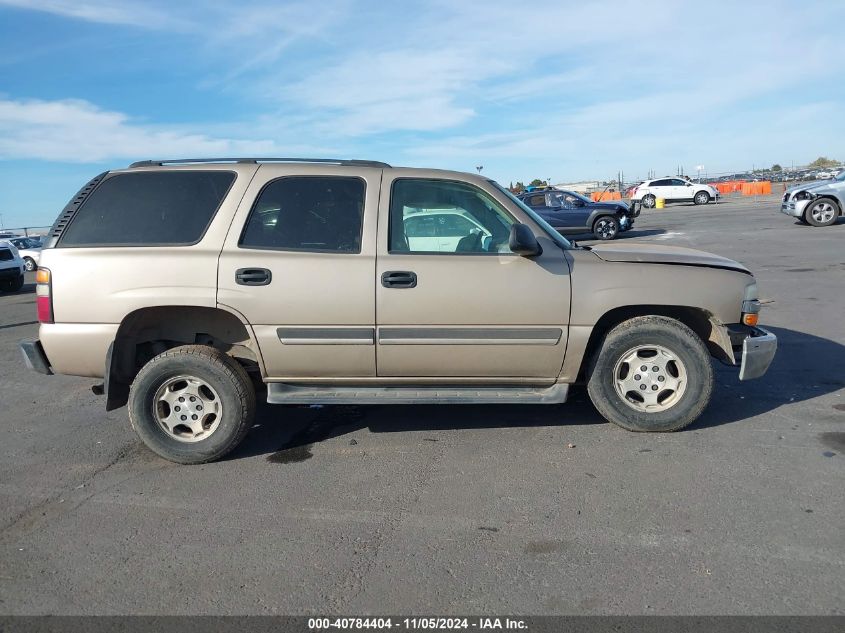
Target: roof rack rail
332 161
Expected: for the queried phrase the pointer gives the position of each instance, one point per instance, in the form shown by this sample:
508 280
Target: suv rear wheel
652 374
192 404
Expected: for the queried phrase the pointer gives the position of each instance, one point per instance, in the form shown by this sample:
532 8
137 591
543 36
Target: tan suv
187 284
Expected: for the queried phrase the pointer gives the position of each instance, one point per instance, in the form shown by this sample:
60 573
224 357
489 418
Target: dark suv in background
570 212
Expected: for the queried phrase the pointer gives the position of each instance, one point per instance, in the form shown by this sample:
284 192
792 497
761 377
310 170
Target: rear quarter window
161 208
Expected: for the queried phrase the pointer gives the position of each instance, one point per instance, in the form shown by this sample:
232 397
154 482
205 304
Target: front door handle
253 276
399 279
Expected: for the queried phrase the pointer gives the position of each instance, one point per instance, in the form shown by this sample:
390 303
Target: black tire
670 334
649 201
11 285
817 207
29 264
227 378
702 197
606 227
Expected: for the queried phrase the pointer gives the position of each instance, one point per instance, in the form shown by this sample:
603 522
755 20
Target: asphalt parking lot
456 509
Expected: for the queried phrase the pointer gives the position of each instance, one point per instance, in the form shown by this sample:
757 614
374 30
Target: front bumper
34 356
754 349
795 208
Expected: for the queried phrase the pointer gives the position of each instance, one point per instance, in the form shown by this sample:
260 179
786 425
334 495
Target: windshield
26 243
556 237
840 176
560 195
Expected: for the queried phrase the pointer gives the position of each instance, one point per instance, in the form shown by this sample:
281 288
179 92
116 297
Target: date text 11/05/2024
417 623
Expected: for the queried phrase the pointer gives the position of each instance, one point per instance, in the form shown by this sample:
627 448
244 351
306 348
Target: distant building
581 187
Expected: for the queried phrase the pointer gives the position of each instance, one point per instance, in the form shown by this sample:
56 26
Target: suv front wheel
822 212
192 404
652 374
606 227
702 197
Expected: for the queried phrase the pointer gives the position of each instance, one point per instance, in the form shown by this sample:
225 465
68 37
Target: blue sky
562 90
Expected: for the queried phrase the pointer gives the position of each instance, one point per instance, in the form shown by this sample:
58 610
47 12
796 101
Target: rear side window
307 213
149 209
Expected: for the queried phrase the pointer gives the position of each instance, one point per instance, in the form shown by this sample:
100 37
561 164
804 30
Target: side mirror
522 241
689 184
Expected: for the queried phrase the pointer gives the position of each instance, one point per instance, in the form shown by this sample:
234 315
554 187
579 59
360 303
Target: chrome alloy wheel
650 378
823 212
187 408
702 197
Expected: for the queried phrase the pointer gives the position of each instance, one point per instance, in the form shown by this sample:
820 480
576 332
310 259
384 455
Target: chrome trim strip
326 335
468 336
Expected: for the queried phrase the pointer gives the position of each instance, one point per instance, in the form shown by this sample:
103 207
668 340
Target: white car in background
443 230
673 190
30 251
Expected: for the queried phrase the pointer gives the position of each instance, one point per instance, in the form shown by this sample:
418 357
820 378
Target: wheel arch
146 332
603 213
703 323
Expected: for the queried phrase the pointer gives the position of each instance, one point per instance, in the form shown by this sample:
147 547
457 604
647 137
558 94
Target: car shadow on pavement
803 369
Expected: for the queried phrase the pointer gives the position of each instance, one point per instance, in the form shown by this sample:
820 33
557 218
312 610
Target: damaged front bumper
753 348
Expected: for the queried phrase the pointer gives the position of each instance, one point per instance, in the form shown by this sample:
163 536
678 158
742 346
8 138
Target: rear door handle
399 279
253 276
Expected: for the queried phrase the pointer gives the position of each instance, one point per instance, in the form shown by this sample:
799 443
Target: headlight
750 305
803 195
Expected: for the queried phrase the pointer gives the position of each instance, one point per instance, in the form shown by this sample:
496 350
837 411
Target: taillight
44 295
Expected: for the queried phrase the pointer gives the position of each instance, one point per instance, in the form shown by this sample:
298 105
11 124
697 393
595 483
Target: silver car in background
30 251
816 203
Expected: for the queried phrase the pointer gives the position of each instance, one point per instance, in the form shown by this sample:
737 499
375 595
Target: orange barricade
729 186
757 188
599 196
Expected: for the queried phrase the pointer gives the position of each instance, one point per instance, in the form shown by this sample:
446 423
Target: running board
286 393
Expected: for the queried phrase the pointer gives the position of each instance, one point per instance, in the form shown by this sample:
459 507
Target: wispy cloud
77 131
549 85
102 11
